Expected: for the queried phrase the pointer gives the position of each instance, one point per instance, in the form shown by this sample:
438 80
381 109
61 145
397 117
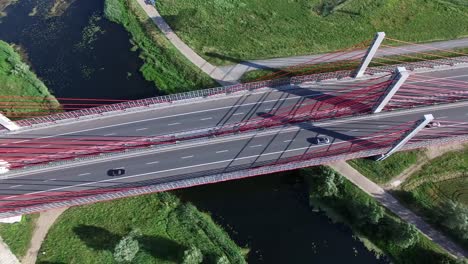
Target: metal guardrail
168 99
220 177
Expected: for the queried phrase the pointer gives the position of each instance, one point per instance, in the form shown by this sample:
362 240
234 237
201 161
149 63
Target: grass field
18 235
88 234
226 31
163 64
17 79
444 178
345 207
384 171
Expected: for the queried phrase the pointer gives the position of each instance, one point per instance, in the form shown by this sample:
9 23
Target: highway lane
187 159
202 114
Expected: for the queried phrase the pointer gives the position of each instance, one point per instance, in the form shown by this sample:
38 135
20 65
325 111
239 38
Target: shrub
193 255
128 247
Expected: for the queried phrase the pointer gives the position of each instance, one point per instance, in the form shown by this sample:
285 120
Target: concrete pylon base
7 123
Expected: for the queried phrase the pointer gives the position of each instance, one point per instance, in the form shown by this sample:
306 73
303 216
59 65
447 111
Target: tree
223 260
455 217
193 255
326 184
366 212
128 247
404 235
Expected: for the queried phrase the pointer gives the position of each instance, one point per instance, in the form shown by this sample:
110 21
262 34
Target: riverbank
163 64
399 240
22 92
89 234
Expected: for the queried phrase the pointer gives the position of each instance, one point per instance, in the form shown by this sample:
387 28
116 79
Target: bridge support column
408 136
7 123
379 37
398 80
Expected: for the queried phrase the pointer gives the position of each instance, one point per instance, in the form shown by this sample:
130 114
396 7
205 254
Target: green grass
342 208
163 64
445 178
17 79
18 235
384 171
88 234
439 168
226 31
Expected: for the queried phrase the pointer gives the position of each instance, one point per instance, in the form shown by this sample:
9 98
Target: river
269 214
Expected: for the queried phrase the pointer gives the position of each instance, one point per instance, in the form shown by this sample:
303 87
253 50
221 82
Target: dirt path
430 154
6 256
45 221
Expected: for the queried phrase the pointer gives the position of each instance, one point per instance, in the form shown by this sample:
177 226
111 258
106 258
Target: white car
433 124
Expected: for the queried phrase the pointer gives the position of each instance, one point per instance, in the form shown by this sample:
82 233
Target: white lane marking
435 78
169 116
289 140
174 169
207 118
383 126
187 157
441 117
354 130
15 186
141 129
208 110
238 114
269 109
256 146
43 146
182 168
222 151
291 129
83 174
173 124
19 141
153 162
110 134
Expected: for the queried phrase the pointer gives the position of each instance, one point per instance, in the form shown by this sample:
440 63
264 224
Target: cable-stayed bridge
231 132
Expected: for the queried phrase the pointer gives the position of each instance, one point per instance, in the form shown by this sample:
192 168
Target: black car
116 172
321 140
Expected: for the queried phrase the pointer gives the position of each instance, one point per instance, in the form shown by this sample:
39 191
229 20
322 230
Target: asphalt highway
219 154
217 112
